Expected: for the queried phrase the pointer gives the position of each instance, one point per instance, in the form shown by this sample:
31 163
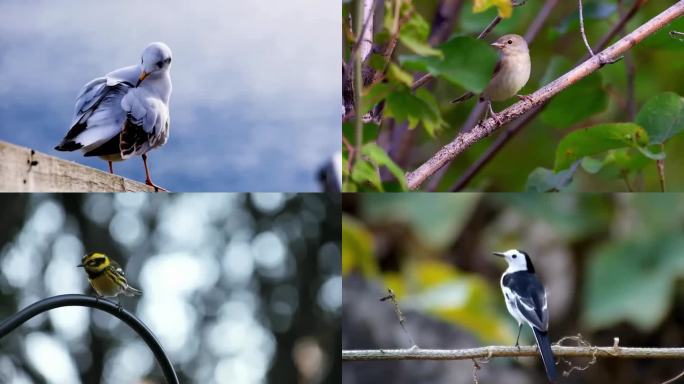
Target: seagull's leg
148 180
518 338
111 170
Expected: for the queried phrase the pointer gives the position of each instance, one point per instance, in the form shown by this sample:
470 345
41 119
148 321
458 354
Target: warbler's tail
547 355
463 97
130 291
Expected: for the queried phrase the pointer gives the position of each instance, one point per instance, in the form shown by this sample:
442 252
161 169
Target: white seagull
126 112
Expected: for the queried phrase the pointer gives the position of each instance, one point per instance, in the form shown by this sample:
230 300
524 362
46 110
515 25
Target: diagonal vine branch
480 131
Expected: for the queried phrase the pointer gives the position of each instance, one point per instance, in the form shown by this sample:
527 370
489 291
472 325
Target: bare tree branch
511 351
610 54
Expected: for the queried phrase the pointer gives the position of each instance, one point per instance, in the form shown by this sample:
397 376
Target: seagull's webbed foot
153 185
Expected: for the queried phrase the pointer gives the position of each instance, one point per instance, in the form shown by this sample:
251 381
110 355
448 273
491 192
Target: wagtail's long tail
547 355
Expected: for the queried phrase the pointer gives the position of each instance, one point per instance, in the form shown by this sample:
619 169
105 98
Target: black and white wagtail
526 301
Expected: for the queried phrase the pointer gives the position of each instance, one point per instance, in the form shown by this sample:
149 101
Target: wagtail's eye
510 41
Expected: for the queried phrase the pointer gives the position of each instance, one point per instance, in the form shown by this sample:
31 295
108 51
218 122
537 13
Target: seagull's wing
530 299
98 116
146 125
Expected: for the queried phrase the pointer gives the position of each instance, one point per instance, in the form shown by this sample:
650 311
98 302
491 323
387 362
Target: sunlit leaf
357 248
364 172
504 7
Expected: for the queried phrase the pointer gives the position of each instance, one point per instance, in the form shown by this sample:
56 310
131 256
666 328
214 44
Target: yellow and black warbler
106 276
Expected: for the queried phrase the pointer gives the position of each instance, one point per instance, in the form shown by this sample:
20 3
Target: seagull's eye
514 256
510 41
160 64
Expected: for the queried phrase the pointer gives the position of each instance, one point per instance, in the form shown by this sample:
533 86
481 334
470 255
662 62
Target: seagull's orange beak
142 77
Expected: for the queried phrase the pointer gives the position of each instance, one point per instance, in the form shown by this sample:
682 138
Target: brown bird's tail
463 97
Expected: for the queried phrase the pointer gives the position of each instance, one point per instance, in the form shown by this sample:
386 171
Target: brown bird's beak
142 77
498 45
499 254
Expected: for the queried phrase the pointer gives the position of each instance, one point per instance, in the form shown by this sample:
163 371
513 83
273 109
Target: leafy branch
487 127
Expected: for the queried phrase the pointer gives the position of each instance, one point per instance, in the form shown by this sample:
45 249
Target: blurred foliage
237 287
607 261
462 63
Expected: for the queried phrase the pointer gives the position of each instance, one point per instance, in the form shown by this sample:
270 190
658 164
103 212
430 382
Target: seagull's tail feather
463 97
68 145
547 355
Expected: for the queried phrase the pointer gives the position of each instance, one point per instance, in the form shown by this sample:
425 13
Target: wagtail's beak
498 45
499 254
142 77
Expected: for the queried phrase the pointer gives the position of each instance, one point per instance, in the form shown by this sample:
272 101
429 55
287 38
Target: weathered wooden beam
25 170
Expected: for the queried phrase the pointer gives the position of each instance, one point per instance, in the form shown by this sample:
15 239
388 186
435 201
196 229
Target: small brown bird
510 73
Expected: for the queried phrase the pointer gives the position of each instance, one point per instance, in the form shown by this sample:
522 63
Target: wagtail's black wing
530 298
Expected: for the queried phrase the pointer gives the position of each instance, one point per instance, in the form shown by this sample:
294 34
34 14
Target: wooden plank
25 170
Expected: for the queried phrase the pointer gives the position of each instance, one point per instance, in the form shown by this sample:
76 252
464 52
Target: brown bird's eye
510 41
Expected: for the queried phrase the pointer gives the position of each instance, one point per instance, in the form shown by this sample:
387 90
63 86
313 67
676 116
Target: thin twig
511 351
660 164
677 35
400 316
584 35
625 178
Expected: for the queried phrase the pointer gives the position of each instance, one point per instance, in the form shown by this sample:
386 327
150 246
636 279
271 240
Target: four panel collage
354 191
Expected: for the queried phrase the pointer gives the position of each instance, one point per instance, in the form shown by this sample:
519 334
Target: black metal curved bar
44 305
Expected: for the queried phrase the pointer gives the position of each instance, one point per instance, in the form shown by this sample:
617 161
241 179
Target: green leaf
662 117
373 95
414 35
598 139
632 281
545 180
378 156
616 163
398 75
467 62
405 106
581 100
364 172
432 121
504 6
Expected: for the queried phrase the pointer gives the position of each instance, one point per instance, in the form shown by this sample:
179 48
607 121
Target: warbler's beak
142 77
80 265
499 254
498 45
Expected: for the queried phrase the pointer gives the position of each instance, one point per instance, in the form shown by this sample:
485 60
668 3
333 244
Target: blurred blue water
255 104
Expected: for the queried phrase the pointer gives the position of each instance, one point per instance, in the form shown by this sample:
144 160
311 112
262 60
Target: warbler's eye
514 256
510 41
